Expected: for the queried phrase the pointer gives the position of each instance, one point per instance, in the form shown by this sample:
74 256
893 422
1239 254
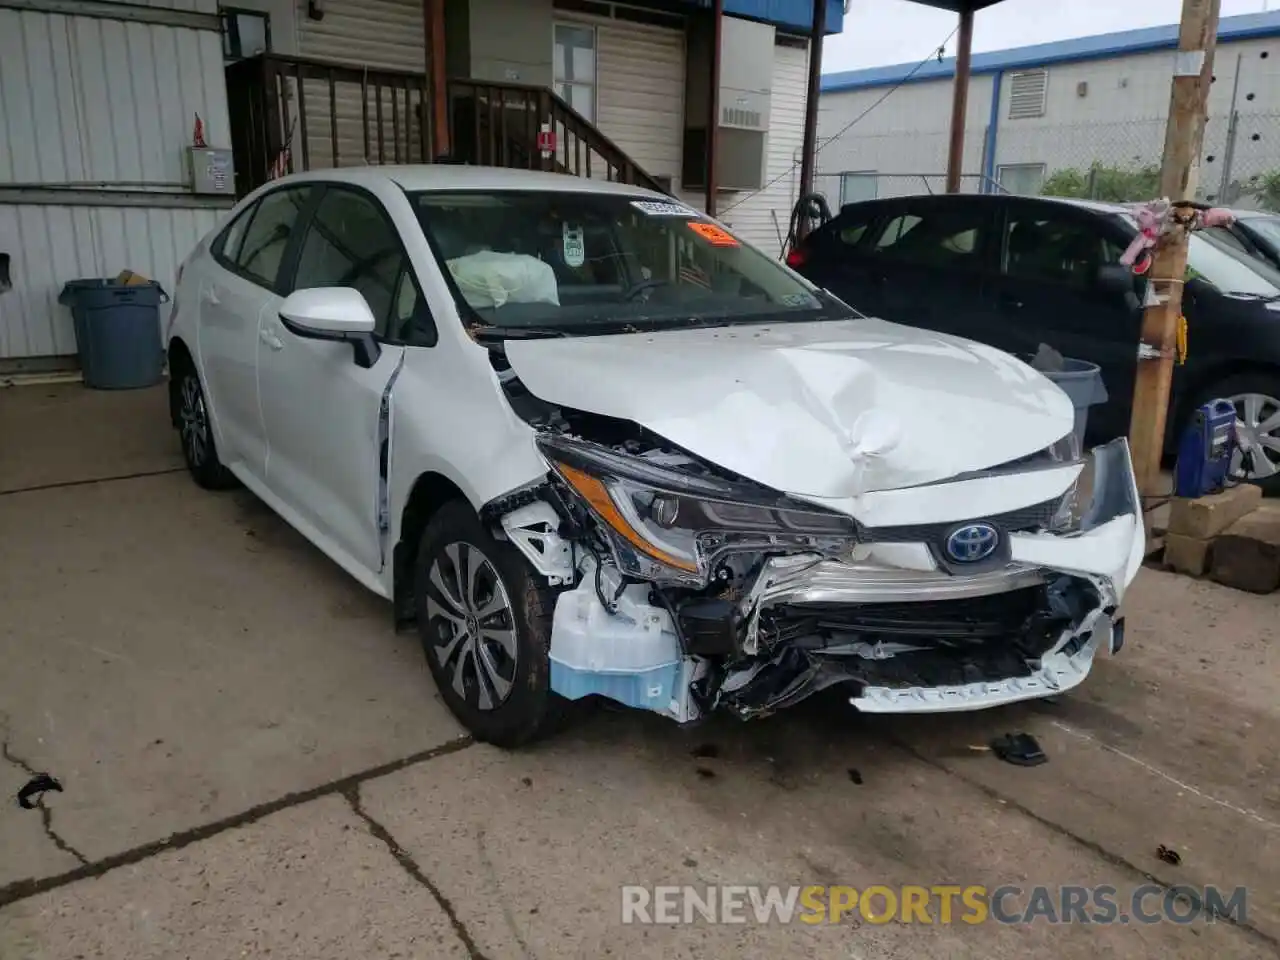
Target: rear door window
934 234
1056 249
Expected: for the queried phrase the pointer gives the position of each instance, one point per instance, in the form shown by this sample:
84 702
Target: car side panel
230 307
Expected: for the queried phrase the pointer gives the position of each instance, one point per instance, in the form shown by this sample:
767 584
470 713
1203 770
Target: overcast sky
881 32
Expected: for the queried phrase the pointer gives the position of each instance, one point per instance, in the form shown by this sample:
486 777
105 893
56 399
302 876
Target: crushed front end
685 589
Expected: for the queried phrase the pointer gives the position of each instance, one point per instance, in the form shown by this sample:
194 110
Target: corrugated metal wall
85 99
91 104
53 244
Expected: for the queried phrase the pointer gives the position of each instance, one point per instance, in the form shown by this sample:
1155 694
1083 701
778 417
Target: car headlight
670 526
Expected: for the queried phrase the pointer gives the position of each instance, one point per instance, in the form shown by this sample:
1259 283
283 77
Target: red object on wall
547 141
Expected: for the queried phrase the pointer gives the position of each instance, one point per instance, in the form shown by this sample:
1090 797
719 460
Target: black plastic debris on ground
855 776
29 796
1020 749
1168 855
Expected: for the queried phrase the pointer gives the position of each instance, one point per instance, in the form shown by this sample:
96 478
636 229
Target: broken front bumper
918 638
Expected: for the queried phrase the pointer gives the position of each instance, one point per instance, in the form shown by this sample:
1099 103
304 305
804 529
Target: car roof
448 176
1096 206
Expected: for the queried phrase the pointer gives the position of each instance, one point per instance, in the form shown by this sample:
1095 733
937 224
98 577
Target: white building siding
752 215
1107 111
379 34
906 134
640 93
53 244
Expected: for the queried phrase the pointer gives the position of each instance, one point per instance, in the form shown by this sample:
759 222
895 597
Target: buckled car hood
827 409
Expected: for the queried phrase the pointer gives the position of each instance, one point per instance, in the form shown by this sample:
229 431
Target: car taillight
796 258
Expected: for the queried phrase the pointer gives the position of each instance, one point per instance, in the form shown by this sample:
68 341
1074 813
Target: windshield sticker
575 250
800 300
713 234
662 208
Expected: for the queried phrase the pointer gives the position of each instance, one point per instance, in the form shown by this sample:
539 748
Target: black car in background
1255 232
1015 272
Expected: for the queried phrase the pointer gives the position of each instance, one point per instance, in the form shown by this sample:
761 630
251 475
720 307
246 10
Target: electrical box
210 171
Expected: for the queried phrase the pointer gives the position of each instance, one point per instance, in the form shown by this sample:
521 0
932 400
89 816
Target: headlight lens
659 531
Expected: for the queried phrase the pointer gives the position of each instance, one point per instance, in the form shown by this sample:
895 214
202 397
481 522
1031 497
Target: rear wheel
196 433
484 618
1256 397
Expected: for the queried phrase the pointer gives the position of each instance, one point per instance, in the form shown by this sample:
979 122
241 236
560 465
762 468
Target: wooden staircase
335 114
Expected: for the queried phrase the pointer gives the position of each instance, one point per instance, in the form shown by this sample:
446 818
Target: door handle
270 339
209 296
1009 300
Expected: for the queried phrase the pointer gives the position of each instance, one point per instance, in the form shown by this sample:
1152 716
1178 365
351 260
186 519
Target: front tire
484 618
195 432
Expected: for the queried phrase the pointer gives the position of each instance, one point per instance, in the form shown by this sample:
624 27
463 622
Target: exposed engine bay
684 588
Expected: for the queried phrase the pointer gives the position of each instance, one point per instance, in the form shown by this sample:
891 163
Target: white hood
787 405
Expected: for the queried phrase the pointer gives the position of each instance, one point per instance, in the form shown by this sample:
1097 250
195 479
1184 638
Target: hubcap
1258 430
470 626
194 423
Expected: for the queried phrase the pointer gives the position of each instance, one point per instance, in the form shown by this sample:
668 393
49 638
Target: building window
1024 179
245 33
858 186
1027 92
575 67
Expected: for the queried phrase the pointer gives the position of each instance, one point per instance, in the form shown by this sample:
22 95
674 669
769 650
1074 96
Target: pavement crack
90 481
410 866
1108 856
30 887
46 814
46 818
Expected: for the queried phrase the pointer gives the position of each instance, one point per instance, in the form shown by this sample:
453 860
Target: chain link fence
1114 161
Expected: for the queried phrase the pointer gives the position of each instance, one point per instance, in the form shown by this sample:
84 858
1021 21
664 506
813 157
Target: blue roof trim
1245 27
793 14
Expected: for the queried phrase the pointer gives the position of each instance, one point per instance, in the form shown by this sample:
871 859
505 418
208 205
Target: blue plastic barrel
117 332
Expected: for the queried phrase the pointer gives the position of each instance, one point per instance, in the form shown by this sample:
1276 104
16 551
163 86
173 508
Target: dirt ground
255 764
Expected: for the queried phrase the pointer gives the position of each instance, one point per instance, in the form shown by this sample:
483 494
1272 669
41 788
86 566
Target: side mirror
1115 278
333 313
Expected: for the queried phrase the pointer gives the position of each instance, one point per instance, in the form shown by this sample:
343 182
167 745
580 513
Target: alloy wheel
193 421
471 626
1258 430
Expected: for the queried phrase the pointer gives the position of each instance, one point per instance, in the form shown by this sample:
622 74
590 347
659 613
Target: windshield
577 262
1229 269
1219 262
1266 227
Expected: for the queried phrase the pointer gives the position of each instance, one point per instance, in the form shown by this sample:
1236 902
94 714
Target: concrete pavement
256 764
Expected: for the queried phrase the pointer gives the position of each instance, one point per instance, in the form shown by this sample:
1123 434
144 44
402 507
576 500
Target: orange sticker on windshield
713 234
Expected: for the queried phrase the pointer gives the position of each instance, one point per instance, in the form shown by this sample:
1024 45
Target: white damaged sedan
590 443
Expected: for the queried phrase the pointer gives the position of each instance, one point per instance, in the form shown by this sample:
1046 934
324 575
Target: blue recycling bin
117 331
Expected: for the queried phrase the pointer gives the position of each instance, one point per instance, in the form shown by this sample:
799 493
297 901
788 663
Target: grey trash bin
117 332
1082 382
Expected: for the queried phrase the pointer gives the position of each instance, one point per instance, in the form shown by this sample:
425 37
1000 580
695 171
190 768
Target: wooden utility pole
1179 173
960 101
